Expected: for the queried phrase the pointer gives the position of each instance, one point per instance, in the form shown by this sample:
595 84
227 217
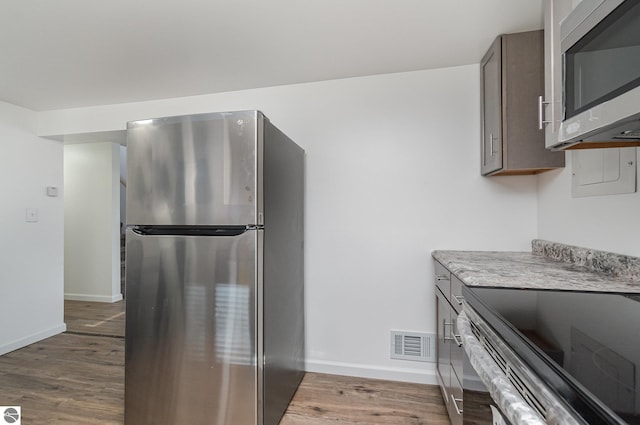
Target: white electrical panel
608 171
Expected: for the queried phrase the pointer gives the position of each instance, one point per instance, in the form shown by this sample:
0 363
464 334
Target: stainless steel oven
555 357
518 396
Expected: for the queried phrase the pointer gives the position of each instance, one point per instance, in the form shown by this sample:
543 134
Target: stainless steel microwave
600 44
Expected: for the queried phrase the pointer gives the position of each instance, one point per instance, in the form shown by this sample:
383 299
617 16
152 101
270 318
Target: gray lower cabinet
512 83
448 344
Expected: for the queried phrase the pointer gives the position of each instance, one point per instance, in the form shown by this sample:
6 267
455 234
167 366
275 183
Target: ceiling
76 53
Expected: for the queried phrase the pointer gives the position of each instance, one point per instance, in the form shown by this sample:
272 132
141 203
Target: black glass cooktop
585 345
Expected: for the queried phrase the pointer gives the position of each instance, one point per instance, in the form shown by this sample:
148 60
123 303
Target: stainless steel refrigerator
214 270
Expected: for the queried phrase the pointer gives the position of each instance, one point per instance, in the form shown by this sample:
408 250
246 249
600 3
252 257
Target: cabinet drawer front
443 279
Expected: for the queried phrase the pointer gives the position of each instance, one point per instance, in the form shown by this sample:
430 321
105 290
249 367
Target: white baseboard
39 336
419 376
93 298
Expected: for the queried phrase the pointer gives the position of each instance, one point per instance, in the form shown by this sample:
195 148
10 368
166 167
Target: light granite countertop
541 269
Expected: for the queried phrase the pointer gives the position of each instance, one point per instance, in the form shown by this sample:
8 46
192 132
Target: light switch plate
31 215
599 172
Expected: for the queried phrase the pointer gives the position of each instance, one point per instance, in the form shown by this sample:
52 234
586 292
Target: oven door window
605 63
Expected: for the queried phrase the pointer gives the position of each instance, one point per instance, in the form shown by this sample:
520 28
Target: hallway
90 318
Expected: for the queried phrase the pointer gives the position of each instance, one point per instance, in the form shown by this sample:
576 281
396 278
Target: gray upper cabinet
512 81
491 108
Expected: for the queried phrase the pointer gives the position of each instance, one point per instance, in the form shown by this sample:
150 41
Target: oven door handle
503 393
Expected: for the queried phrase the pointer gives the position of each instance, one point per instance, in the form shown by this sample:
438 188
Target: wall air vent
413 346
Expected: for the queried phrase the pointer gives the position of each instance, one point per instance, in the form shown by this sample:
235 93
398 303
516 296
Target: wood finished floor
106 319
78 379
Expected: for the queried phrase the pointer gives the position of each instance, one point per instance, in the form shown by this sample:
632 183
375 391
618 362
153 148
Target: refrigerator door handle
190 230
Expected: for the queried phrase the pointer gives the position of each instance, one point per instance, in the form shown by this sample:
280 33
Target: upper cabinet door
512 83
491 93
551 108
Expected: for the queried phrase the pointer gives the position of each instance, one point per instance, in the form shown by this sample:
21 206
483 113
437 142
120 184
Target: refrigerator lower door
191 350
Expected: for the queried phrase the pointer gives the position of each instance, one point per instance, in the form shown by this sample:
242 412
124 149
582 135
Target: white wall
392 174
92 222
608 223
31 254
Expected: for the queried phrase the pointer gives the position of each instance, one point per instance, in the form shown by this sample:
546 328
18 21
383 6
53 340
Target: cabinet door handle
456 339
484 150
441 277
541 120
459 299
491 143
444 330
455 404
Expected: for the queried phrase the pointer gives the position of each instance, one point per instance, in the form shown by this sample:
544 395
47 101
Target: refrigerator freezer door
194 170
191 342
